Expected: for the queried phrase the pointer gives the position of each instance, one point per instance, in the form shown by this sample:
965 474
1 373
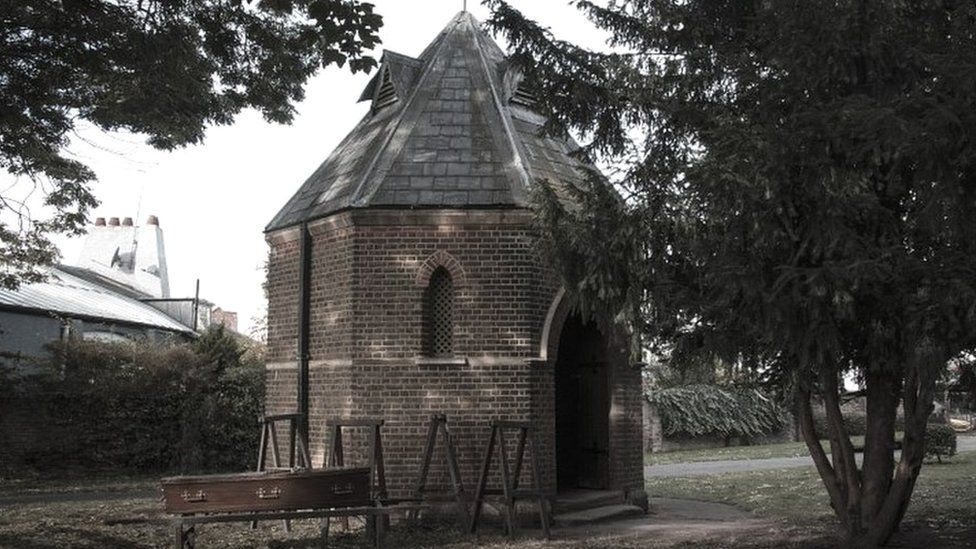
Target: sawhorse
510 479
334 457
438 426
297 452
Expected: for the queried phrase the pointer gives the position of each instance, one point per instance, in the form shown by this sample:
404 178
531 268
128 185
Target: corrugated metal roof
70 295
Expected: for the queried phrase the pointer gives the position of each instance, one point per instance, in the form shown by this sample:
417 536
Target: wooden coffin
267 491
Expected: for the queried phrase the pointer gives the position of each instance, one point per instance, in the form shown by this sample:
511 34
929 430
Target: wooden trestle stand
438 426
297 452
510 477
334 457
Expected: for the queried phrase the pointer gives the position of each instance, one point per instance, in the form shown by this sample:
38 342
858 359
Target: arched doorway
582 406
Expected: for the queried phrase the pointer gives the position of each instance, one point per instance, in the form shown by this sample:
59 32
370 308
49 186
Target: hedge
140 407
940 441
855 423
708 409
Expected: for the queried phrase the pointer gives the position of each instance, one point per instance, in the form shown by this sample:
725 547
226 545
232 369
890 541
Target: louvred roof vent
523 96
387 94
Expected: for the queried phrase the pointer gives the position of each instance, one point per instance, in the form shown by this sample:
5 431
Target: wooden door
594 426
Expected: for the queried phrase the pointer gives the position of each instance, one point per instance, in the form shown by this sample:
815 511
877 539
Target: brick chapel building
405 280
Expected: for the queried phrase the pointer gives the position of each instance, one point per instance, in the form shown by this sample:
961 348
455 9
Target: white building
130 255
118 290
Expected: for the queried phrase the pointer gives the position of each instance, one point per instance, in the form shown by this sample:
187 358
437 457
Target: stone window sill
441 361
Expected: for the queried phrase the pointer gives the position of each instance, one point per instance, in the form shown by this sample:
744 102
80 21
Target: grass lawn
77 482
80 525
792 502
737 453
942 512
734 453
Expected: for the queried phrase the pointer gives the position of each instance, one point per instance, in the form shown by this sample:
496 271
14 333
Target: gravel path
964 444
669 522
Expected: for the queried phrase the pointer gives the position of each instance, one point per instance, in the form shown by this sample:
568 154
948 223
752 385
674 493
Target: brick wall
626 418
501 293
406 393
282 288
369 270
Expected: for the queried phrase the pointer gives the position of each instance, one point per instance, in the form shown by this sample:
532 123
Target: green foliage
166 70
778 200
602 283
962 379
801 180
709 409
856 424
141 407
219 348
940 441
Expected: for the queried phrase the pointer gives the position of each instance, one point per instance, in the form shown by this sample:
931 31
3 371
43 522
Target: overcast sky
213 200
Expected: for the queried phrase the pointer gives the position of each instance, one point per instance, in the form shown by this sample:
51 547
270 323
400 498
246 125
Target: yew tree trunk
879 443
870 501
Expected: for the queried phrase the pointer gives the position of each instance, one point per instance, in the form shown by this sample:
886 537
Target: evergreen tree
799 182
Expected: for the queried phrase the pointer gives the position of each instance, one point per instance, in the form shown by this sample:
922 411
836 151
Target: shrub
709 409
143 407
940 441
855 423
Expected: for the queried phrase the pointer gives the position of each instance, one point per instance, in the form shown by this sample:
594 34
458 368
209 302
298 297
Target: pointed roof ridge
357 194
452 138
453 22
520 188
435 64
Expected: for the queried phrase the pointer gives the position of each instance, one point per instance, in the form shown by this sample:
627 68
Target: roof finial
464 5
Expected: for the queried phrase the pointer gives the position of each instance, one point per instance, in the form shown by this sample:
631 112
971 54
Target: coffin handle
194 498
273 493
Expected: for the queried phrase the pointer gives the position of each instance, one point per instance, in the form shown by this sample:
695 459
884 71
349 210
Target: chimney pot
99 221
153 220
113 222
127 222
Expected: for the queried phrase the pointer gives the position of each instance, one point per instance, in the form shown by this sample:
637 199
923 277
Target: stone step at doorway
605 513
578 500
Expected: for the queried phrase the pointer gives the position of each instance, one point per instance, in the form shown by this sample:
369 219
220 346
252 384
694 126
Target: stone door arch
579 354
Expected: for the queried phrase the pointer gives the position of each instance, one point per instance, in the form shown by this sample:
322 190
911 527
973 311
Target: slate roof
69 294
452 138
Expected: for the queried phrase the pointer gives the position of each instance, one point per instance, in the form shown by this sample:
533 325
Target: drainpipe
304 293
196 306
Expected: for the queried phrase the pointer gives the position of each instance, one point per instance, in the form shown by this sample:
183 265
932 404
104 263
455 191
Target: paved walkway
964 444
671 521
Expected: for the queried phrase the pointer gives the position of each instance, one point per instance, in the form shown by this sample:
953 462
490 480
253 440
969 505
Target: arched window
438 313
